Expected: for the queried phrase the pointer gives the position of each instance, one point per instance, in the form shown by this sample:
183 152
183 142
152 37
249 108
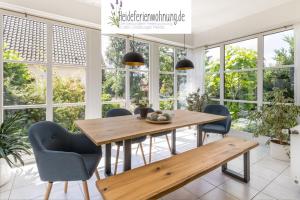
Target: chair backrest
137 110
118 112
219 110
46 135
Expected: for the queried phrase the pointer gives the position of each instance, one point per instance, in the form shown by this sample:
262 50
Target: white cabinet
295 155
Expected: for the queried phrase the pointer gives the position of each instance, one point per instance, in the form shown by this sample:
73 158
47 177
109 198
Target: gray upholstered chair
219 127
123 112
62 156
137 111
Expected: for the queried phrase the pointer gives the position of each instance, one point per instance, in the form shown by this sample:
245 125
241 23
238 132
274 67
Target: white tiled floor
270 179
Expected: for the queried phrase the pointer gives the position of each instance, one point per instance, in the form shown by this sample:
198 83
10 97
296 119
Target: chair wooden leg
66 187
137 148
49 187
86 190
117 158
169 145
142 150
150 150
203 137
97 174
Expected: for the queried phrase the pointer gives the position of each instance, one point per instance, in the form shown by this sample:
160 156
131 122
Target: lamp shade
184 64
133 59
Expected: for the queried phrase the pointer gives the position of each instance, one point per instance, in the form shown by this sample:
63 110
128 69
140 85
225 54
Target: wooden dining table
105 131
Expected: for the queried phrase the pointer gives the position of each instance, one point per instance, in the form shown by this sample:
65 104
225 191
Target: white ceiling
212 20
208 14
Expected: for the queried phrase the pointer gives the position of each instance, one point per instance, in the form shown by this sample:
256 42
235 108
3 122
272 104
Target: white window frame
260 66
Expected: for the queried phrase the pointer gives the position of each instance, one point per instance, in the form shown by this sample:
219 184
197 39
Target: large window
212 73
241 68
27 70
279 63
172 83
120 83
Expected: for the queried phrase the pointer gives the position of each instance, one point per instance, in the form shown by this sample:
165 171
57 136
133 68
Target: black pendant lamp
133 58
184 64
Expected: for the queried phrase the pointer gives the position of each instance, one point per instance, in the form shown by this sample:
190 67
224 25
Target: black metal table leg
127 155
199 135
173 147
108 160
242 177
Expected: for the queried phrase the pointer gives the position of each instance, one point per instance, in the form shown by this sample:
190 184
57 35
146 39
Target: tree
22 87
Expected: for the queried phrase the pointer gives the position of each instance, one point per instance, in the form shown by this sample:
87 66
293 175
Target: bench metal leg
108 160
199 135
173 148
242 177
127 155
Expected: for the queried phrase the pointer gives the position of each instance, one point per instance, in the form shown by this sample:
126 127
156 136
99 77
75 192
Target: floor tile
240 190
263 196
28 192
276 190
216 177
4 195
180 194
199 187
8 186
217 194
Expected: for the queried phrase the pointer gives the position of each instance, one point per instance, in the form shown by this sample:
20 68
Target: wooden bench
162 177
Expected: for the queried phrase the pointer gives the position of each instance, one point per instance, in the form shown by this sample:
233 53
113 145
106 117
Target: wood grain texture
107 130
159 178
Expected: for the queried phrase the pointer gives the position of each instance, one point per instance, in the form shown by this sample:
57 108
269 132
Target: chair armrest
83 145
61 166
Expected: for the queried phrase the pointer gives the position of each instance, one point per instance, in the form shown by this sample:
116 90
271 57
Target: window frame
259 67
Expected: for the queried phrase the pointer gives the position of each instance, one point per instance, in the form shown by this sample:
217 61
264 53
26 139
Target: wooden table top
113 129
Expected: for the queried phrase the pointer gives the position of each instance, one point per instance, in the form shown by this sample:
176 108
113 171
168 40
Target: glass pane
210 101
241 55
24 39
142 48
241 85
24 84
139 83
109 106
181 104
113 85
68 84
31 115
69 45
166 59
166 85
279 78
239 114
166 105
182 90
212 85
66 116
212 60
279 49
113 50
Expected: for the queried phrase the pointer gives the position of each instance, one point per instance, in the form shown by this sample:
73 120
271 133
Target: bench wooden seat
159 178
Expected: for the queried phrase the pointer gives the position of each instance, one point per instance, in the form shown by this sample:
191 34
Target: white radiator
295 154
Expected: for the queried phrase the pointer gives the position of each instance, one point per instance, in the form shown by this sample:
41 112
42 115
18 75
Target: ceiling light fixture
184 64
133 58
